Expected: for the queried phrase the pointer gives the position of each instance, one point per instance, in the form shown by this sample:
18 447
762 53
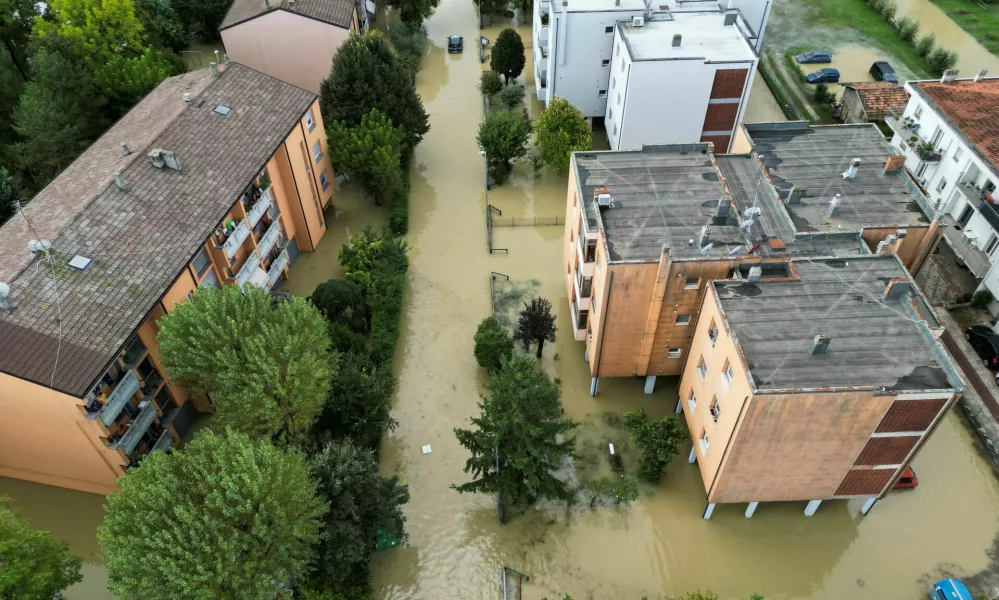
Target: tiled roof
973 107
878 96
68 194
334 12
141 239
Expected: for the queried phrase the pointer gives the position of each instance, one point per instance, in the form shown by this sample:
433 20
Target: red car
907 480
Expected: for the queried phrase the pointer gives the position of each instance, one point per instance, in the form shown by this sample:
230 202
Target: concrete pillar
868 505
813 505
751 509
593 385
693 456
650 383
679 406
710 509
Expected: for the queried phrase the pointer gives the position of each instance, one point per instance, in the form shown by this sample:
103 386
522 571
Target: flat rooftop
875 341
600 6
814 159
703 35
662 195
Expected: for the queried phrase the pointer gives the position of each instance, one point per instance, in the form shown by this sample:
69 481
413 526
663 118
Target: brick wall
720 117
729 83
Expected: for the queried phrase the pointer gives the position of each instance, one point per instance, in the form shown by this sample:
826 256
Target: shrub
888 10
659 441
341 301
908 28
512 96
876 5
981 298
941 59
822 94
926 44
490 83
493 344
398 217
343 339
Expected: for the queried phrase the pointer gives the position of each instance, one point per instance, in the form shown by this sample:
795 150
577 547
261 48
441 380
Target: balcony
164 442
236 239
579 321
245 273
586 257
269 239
977 261
123 391
898 123
277 267
137 429
259 208
583 286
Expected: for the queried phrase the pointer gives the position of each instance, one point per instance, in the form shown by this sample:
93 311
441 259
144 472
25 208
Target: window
605 63
615 130
613 81
201 262
674 353
317 152
937 136
324 181
702 369
958 153
209 280
610 114
727 375
602 93
703 442
713 333
692 402
310 121
609 29
918 112
692 283
921 169
683 319
942 184
593 303
993 240
619 98
622 63
715 409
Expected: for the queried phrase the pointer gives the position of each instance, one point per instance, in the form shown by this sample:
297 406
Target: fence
526 221
489 229
512 581
784 96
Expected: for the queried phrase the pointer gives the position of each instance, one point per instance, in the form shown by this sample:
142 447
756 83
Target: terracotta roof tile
973 107
878 96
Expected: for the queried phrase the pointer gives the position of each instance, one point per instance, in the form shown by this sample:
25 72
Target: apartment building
293 40
647 104
573 44
218 176
813 379
647 230
947 133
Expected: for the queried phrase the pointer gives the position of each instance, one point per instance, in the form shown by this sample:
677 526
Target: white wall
757 13
666 102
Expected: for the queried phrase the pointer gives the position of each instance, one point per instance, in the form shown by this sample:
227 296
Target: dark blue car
823 76
882 71
814 56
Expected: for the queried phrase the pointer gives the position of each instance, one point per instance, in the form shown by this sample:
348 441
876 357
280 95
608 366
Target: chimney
702 239
851 172
887 245
188 96
820 345
724 207
948 76
833 207
119 180
165 158
794 196
125 150
755 274
677 38
897 288
981 75
730 18
290 4
894 164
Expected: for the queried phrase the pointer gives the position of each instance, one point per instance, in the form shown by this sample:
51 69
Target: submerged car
823 76
882 71
986 344
814 56
455 44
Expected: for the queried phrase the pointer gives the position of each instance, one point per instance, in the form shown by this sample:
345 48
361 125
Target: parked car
814 56
986 344
882 71
950 589
823 76
455 44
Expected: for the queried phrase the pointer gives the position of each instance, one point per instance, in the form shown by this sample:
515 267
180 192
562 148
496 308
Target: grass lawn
793 67
981 23
842 14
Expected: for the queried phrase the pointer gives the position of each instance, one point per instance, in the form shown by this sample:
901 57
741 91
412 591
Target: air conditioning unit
637 21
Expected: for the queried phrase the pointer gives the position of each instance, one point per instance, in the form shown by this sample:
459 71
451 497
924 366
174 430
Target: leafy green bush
343 339
493 344
926 44
981 298
941 59
359 403
888 10
822 94
908 28
659 441
398 217
341 301
490 83
511 97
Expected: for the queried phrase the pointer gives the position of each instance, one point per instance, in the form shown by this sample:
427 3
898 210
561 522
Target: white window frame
918 112
727 375
310 121
685 322
601 93
921 169
609 30
692 402
991 244
702 369
674 353
942 184
687 286
317 151
605 63
957 153
324 181
703 442
713 333
715 409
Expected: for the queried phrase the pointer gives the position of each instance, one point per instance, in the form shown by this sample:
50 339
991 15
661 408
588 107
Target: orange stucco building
217 177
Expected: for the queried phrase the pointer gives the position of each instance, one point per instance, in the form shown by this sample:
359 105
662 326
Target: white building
573 42
947 132
678 78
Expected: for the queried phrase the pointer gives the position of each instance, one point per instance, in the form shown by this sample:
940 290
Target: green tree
562 130
126 80
410 41
490 83
342 301
623 490
58 113
265 366
345 339
228 517
34 565
206 15
7 195
521 421
907 28
941 60
536 324
102 29
659 440
162 24
492 344
364 508
369 152
366 75
504 138
16 20
359 405
512 97
925 44
415 11
507 57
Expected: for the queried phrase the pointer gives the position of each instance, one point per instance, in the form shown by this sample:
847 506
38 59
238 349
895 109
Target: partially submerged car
823 76
814 56
455 44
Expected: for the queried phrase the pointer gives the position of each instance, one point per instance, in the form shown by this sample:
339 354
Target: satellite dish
707 248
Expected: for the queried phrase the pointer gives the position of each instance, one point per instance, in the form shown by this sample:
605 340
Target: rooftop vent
730 18
223 110
702 239
80 262
165 158
119 180
677 38
4 294
981 75
851 172
724 207
833 207
603 197
637 21
188 96
820 344
755 274
125 150
948 76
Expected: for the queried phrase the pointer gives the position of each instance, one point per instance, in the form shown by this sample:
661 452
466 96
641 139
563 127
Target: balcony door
966 215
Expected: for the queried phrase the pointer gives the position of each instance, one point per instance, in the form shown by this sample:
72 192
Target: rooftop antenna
735 250
707 248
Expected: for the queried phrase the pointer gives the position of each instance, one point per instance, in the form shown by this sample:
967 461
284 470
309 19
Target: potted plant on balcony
264 181
544 20
927 152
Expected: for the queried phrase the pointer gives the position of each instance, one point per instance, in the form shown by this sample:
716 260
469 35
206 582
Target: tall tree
59 113
659 440
125 80
364 507
265 366
562 130
34 565
507 57
366 75
359 405
536 324
11 85
228 517
162 24
342 301
16 20
7 195
370 152
521 423
415 11
504 138
492 344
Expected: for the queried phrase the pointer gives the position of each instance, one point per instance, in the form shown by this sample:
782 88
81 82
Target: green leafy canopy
562 130
34 565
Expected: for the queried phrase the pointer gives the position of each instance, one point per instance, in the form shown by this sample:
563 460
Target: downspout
603 326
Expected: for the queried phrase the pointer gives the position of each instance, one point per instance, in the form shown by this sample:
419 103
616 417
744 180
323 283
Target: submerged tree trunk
541 346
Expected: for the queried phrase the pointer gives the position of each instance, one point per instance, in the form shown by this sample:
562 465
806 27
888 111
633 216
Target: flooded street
971 56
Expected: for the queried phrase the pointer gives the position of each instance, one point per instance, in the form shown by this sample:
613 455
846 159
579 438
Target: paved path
792 85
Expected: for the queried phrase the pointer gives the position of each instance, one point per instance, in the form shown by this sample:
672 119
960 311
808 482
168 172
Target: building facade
707 52
945 132
215 178
292 40
796 390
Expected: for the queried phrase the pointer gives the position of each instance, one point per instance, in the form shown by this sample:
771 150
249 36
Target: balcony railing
269 239
236 239
894 119
122 392
277 268
164 442
246 271
138 428
977 261
259 208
